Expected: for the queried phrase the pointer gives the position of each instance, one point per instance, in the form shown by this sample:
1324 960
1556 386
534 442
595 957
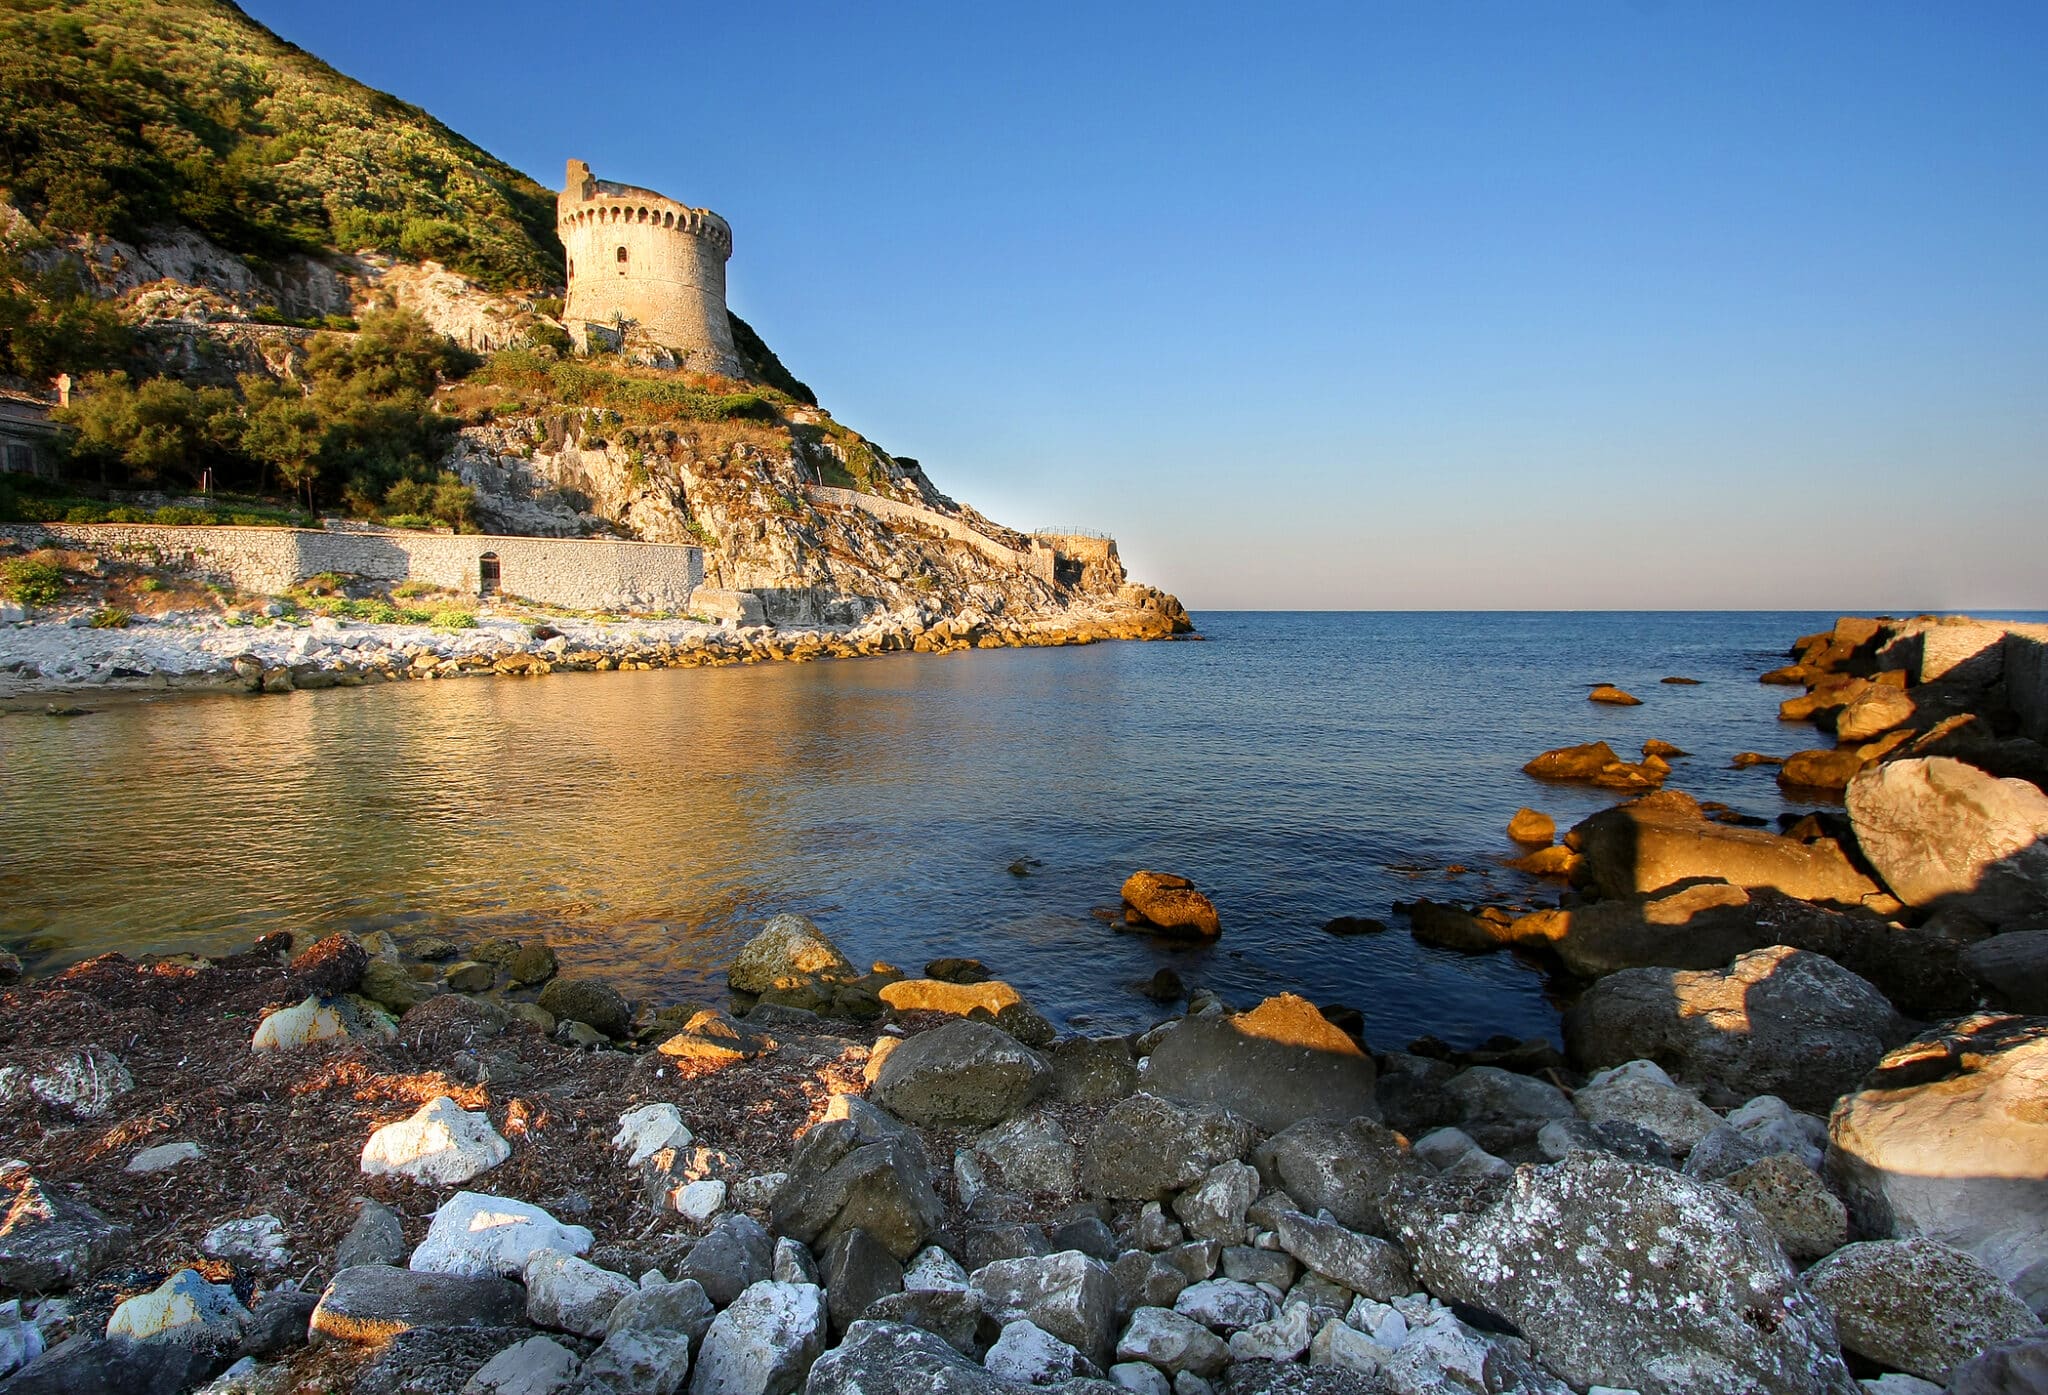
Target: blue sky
1520 305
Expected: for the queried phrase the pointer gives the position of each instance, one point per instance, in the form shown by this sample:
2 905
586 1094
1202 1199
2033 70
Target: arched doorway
487 577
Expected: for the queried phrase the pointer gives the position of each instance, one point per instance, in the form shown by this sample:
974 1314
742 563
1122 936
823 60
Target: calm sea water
1296 766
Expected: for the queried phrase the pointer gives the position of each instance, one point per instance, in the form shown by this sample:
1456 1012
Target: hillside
120 116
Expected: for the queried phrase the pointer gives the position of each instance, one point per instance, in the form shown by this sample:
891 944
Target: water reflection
647 822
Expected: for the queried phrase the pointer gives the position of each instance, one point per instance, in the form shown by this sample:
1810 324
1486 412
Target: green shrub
31 583
110 618
410 520
178 515
454 620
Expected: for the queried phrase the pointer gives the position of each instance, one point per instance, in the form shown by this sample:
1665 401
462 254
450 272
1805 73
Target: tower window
622 261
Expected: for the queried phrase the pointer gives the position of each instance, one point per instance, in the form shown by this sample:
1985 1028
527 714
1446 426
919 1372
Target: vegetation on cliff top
117 116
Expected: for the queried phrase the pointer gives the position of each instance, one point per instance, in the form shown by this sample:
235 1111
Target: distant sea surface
1297 766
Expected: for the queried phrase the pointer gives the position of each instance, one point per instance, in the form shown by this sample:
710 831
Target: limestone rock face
1626 1275
1279 1063
1944 833
966 1073
1948 1139
1168 902
764 1343
1917 1305
1778 1021
1145 1147
789 948
1068 1294
368 1304
440 1145
1651 843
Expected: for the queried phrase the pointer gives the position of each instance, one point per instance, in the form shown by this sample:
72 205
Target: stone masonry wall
575 573
897 512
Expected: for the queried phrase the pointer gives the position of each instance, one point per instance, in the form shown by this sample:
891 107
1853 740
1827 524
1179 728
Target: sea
1298 767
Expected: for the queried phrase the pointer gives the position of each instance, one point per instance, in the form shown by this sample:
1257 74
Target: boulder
1068 1294
2010 1368
844 1175
637 1361
588 1000
441 1145
299 1025
377 1237
990 1000
1093 1070
83 1082
1778 1021
1809 1220
2012 969
1613 696
856 1269
1163 901
788 950
1030 1153
1533 828
1640 1093
1145 1147
1917 1305
1225 1306
764 1343
536 1366
1631 1276
879 1357
1703 925
1661 839
1279 1063
737 1254
331 966
1593 763
50 1242
183 1308
481 1236
1362 1263
1823 768
1948 1139
1029 1355
1346 1169
1172 1342
89 1364
681 1307
368 1304
1942 833
951 1314
963 1074
252 1240
715 1038
573 1295
1214 1208
1873 712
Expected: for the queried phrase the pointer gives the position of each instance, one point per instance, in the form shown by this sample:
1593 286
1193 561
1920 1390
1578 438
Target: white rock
20 1342
970 1177
793 1263
645 1131
756 1193
639 1361
1892 1383
536 1366
1341 1345
1454 1153
298 1025
163 1157
932 1268
1214 1208
1642 1098
1781 1129
764 1343
440 1145
1028 1353
485 1237
257 1239
1224 1305
1633 1070
1139 1377
571 1294
85 1082
700 1201
184 1307
1282 1338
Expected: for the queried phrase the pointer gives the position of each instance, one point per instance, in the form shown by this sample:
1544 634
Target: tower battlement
647 269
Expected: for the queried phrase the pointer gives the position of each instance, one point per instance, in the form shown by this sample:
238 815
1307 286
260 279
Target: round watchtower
647 270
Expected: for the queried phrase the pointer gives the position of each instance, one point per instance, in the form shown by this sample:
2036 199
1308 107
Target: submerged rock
1164 901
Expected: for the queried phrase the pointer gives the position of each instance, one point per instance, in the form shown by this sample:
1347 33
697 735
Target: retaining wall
575 573
899 512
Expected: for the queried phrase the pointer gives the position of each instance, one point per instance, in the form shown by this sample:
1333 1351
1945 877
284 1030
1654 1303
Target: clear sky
1673 303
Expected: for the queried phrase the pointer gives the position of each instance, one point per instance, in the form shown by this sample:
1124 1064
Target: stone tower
645 272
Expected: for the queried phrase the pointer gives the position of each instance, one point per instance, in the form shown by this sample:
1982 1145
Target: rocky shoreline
1797 1140
246 650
